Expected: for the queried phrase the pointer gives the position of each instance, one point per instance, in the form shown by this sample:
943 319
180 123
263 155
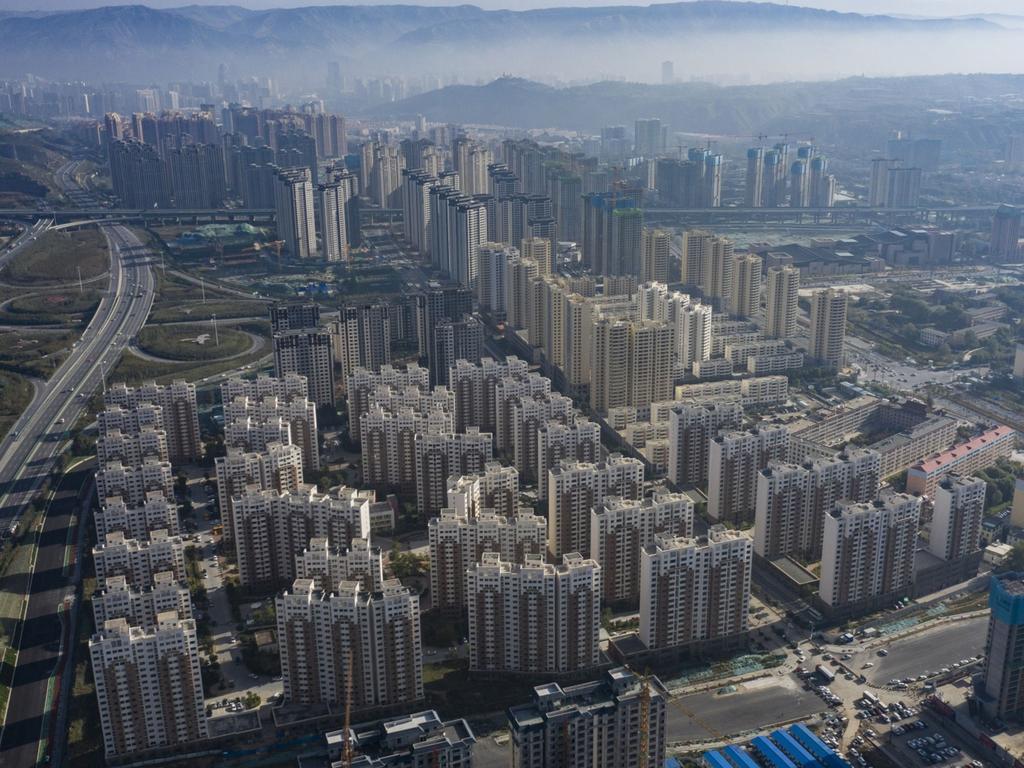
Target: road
22 241
28 454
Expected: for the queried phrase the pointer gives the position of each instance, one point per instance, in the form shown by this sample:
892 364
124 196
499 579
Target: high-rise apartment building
337 199
868 549
745 295
179 416
735 460
690 431
278 466
296 224
350 644
363 335
495 489
1004 243
578 440
256 415
828 327
474 388
433 307
307 352
137 175
133 484
631 363
439 455
959 507
753 184
657 256
533 616
575 488
458 539
115 598
492 285
139 560
328 564
364 388
793 500
156 513
272 528
695 590
649 137
1003 686
591 725
781 302
621 528
148 686
196 174
388 440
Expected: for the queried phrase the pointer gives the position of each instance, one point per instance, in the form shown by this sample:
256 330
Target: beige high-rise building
131 449
632 363
273 528
329 564
492 278
657 256
690 430
389 442
828 327
496 488
458 540
575 488
439 455
719 270
307 352
621 528
251 424
323 636
579 440
578 323
734 461
793 500
180 414
148 685
745 295
695 590
538 249
364 384
521 276
781 302
473 389
277 467
131 484
156 513
115 598
296 222
696 250
533 617
868 549
139 560
956 520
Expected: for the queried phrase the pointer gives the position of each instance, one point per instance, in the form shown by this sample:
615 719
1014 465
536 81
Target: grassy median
192 342
56 257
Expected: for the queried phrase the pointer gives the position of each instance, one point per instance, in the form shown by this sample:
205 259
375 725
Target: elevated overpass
838 216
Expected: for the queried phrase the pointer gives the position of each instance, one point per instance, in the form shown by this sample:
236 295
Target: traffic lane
744 710
928 651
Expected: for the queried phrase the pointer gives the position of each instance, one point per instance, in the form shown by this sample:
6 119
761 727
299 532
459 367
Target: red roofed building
964 459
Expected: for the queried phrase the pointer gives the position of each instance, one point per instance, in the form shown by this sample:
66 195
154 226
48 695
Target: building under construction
613 722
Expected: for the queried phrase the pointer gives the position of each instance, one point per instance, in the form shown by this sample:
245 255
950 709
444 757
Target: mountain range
137 43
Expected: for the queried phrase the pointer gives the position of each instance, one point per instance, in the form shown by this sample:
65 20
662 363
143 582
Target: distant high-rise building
148 684
292 316
745 294
695 590
434 306
799 184
868 549
363 338
781 302
904 190
307 352
828 327
649 137
753 186
137 175
296 225
1004 243
338 198
197 176
657 256
959 507
668 73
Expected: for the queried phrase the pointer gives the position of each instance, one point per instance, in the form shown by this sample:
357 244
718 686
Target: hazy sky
901 7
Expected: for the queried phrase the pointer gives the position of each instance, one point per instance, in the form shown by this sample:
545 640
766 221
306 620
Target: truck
825 673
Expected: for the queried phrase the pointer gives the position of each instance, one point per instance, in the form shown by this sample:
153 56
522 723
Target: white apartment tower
621 528
828 326
296 225
781 302
868 549
533 617
695 590
148 686
959 507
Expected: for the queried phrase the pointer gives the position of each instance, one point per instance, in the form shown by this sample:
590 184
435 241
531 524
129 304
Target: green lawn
192 343
15 395
134 370
56 257
197 310
64 306
35 352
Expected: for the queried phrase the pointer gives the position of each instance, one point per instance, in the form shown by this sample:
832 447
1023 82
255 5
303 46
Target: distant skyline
891 7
